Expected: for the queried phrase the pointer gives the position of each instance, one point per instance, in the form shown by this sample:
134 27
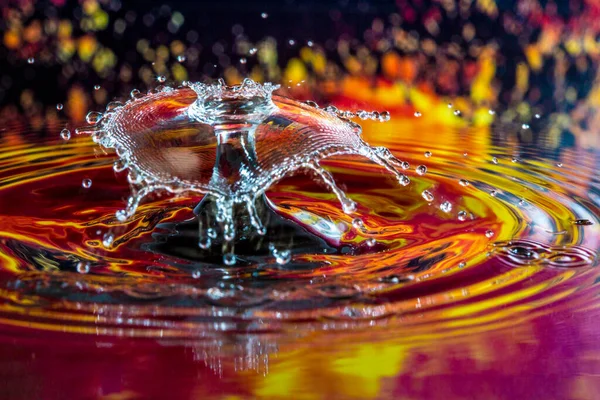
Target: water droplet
421 170
181 58
489 233
525 126
252 51
493 193
86 183
427 196
196 274
161 78
282 257
404 181
583 222
428 154
264 15
243 60
462 264
465 154
491 112
404 165
462 215
229 259
457 112
30 60
449 105
204 243
446 206
358 223
121 215
514 160
310 43
291 42
559 165
384 116
135 94
211 233
93 117
464 182
494 160
371 242
537 116
107 239
83 268
65 134
362 114
59 106
523 252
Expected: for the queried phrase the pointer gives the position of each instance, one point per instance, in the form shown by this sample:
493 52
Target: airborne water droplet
282 257
107 239
559 165
196 274
427 195
252 51
457 112
229 259
446 206
93 117
97 87
135 93
384 116
86 183
525 126
30 60
59 106
83 268
358 223
427 154
243 60
421 170
491 112
204 243
181 58
264 15
161 78
65 134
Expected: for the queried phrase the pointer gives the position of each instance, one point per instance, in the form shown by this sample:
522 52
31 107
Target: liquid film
230 143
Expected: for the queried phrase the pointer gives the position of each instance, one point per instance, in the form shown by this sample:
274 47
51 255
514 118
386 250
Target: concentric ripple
502 245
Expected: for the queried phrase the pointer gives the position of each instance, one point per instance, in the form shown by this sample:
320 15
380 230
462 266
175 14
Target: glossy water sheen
467 291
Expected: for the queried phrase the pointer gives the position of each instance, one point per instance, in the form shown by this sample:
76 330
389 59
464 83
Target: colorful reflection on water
435 302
